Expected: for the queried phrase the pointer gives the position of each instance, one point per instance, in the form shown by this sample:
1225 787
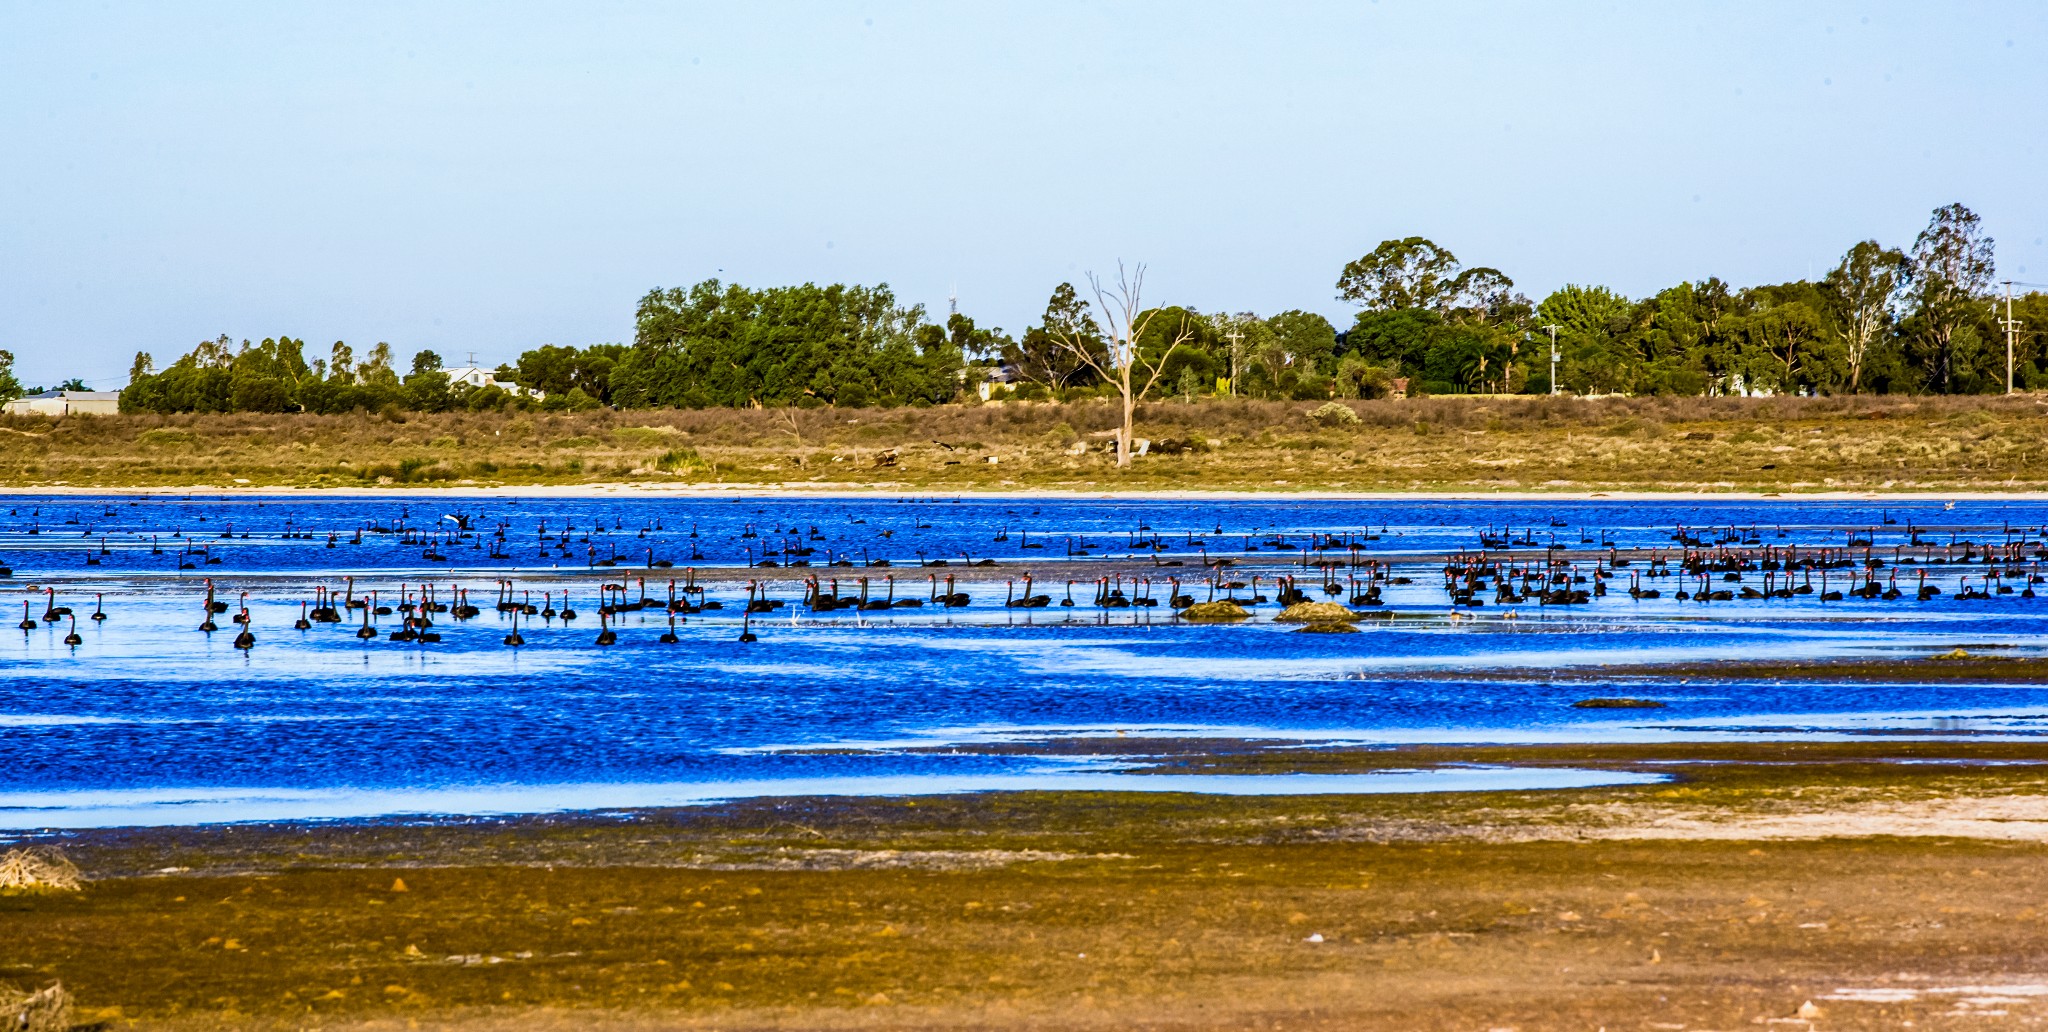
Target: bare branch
1158 368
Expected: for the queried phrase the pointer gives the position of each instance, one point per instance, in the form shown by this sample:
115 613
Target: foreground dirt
1825 886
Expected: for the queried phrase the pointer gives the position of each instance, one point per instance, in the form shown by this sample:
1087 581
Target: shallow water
150 721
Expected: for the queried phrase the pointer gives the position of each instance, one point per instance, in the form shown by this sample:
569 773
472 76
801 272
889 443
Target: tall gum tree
1864 288
1949 274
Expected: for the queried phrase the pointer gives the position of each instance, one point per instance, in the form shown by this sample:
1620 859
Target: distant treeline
1922 320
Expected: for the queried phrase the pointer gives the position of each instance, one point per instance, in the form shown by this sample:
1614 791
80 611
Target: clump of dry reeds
38 869
45 1010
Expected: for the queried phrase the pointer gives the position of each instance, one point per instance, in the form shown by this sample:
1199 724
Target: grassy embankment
1437 444
1580 909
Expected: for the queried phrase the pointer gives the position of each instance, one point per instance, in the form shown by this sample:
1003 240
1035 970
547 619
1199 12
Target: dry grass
1429 444
45 1010
38 869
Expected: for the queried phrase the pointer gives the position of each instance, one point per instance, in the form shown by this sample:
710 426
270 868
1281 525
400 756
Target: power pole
1233 337
1553 356
2011 329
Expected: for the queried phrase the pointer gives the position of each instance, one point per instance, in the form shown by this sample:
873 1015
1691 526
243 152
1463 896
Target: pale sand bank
889 491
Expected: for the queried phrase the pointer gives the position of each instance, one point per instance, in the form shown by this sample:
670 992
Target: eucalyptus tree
718 344
1784 336
1864 290
10 385
1591 322
1046 354
1415 272
1948 276
1425 313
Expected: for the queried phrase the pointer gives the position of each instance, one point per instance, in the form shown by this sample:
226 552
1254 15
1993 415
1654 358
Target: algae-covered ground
1836 885
1462 444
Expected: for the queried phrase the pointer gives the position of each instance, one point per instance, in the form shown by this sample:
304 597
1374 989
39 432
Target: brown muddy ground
1881 883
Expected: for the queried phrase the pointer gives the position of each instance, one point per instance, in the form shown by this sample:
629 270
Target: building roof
487 378
73 396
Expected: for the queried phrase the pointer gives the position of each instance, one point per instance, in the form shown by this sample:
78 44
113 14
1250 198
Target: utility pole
1233 337
1553 356
2011 329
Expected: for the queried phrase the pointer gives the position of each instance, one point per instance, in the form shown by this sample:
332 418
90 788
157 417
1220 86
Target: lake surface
148 720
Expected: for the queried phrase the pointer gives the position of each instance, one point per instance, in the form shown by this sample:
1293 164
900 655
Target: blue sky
491 177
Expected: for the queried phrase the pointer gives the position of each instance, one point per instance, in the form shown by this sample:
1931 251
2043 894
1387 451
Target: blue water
150 721
152 535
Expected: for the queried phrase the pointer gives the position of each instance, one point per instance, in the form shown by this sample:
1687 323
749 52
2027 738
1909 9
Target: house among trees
1001 378
67 403
479 378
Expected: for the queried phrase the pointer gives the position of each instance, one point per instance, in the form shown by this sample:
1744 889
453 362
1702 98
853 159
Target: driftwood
38 869
46 1010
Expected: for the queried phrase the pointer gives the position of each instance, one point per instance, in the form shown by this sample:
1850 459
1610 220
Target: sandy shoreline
838 491
1763 879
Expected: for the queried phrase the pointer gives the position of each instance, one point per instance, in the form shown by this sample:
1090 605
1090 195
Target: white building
478 376
1001 378
66 403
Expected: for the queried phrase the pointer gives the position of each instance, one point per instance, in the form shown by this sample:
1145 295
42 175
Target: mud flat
1836 885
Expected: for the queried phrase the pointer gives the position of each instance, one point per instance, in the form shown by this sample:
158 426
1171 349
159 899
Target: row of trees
1885 319
1918 320
711 345
1922 319
724 344
275 376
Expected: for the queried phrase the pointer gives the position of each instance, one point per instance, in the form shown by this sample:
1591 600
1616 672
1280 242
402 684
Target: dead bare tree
1125 319
786 423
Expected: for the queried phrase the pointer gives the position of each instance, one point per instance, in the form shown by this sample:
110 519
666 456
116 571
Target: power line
1553 357
2011 328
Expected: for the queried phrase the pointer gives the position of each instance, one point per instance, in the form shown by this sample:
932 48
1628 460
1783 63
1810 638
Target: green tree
1460 359
10 386
1409 273
1784 338
554 370
974 342
378 366
1592 326
2030 339
341 364
1308 337
1415 272
1359 377
716 344
549 369
1948 275
1185 343
1040 357
1679 338
1861 292
428 388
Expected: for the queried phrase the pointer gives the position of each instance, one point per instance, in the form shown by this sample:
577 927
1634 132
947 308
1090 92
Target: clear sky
494 176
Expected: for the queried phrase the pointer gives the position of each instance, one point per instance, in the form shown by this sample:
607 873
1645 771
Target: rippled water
150 721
